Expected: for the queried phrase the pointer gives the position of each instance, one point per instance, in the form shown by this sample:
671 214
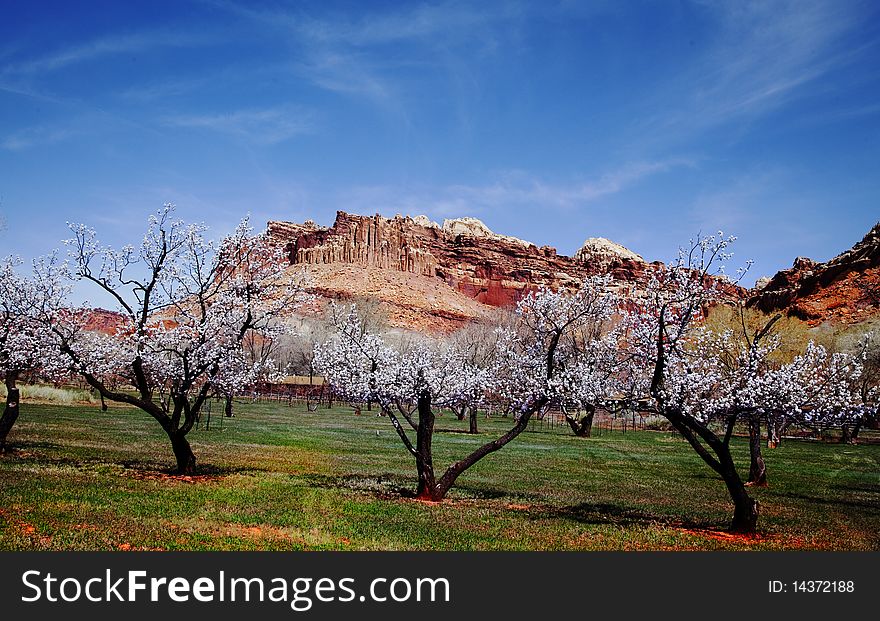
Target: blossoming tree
818 389
526 370
189 305
682 384
24 342
698 377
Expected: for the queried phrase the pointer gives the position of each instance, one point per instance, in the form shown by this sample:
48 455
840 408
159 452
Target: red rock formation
492 269
845 289
368 242
100 320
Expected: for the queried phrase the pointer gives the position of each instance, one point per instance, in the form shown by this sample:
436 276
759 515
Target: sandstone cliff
467 268
101 320
845 289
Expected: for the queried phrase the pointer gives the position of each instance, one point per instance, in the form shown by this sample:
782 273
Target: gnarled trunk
427 488
454 471
433 489
757 467
582 428
473 421
745 508
11 411
851 436
186 461
227 408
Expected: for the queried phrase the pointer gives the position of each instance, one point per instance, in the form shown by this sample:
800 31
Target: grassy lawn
282 478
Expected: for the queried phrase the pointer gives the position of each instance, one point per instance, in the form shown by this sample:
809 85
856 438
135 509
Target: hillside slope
845 289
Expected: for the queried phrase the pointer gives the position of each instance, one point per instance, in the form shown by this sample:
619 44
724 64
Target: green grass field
276 477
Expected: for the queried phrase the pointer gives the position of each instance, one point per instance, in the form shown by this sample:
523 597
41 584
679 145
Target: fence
313 397
553 421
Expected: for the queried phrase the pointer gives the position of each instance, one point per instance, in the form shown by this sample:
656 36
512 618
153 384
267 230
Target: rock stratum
432 277
435 278
845 289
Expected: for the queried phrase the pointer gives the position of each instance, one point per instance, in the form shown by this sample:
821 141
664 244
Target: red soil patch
721 535
25 528
183 478
127 547
428 501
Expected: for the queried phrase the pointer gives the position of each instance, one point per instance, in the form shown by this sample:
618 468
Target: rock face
471 227
462 261
101 320
605 251
845 289
368 242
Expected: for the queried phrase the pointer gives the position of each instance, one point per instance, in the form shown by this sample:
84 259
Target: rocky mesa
435 277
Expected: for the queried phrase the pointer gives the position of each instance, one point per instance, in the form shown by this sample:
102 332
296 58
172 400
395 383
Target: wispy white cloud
104 46
421 23
763 53
151 91
25 90
345 73
511 190
36 136
843 114
344 55
263 126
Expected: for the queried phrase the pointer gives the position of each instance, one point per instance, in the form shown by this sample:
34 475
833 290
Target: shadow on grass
872 506
390 487
871 489
618 515
42 453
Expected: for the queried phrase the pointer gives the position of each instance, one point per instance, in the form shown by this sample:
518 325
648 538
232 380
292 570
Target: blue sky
643 122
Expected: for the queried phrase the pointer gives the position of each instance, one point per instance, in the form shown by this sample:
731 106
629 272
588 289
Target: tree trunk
427 488
773 433
745 508
854 438
872 420
459 414
757 467
582 428
186 461
10 413
473 421
452 472
228 407
846 435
